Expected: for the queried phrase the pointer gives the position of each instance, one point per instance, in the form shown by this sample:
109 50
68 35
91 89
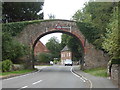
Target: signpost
59 27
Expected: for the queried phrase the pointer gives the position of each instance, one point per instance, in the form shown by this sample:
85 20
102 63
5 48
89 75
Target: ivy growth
91 33
17 27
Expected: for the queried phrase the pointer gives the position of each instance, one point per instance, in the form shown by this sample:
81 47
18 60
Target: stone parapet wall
115 74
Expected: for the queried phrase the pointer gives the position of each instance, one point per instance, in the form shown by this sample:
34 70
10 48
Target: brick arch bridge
33 32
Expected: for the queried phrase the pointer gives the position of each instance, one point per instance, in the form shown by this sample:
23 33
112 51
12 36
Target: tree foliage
12 49
112 38
98 21
44 57
51 16
74 45
54 46
21 11
95 16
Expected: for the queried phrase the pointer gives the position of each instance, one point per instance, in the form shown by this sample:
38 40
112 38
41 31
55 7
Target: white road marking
74 73
24 75
77 75
82 78
32 84
24 87
37 82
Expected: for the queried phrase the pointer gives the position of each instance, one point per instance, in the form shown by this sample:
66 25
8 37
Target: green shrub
44 57
115 60
7 65
12 49
0 66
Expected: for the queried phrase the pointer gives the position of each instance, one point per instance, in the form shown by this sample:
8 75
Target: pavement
95 82
56 76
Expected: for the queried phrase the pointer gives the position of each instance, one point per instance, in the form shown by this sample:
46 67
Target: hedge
115 61
15 28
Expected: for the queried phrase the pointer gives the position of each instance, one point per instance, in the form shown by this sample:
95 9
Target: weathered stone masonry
32 33
115 74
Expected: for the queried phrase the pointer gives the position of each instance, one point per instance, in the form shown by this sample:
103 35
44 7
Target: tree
95 16
54 46
112 38
74 46
44 57
51 16
12 49
21 11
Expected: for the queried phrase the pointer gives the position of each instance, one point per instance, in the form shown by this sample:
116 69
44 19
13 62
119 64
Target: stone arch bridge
33 32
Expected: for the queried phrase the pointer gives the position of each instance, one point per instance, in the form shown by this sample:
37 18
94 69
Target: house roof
40 48
65 49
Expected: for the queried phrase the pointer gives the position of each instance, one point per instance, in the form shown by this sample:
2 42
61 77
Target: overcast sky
62 9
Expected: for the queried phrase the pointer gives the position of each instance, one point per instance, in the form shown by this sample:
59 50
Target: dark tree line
101 19
21 11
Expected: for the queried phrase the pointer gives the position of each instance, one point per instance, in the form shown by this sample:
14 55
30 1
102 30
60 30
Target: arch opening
81 43
58 31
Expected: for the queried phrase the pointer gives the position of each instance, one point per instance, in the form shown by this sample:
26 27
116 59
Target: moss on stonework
15 28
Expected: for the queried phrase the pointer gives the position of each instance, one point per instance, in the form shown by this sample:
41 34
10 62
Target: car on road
68 62
51 62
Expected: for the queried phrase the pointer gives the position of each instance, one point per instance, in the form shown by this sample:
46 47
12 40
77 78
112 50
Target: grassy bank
102 72
15 72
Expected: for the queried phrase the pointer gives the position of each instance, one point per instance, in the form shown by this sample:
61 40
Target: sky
62 9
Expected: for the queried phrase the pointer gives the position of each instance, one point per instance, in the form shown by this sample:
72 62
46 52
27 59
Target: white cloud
62 9
45 38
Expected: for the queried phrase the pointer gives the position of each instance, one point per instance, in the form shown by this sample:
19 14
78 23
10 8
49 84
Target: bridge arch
33 32
73 34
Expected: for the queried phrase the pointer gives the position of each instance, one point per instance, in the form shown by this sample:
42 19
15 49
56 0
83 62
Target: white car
51 62
68 62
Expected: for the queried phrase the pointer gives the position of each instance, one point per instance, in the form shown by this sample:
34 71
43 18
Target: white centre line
37 82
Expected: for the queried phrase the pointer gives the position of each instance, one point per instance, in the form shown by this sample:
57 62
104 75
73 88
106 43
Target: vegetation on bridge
98 21
12 49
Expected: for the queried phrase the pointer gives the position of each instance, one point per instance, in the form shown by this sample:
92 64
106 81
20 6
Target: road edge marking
81 77
77 75
22 87
23 75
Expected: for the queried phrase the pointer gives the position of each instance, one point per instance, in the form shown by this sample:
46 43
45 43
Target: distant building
40 48
65 54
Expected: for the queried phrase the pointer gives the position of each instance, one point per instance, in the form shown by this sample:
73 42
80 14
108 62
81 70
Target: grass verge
15 72
43 65
102 72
